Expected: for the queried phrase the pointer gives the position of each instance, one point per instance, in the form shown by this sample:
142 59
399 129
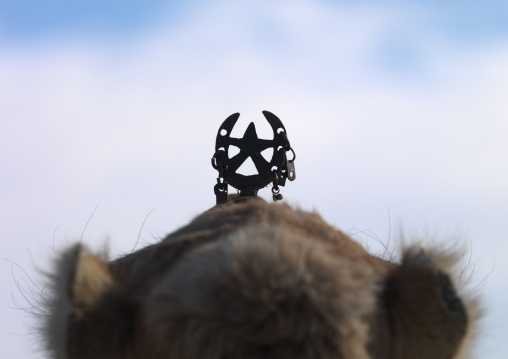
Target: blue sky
402 51
397 111
34 19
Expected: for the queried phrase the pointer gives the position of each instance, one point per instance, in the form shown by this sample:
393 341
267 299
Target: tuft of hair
58 303
262 293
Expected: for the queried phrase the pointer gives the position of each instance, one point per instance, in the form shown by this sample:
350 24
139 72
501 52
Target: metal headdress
276 171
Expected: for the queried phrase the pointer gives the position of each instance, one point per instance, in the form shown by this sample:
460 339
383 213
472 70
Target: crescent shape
227 125
274 121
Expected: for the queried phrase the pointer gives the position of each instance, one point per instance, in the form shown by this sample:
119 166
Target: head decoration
276 171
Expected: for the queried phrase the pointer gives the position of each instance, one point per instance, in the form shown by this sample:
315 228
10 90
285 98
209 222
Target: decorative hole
247 168
233 151
267 154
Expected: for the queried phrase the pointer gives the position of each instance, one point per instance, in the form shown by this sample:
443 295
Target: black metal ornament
275 171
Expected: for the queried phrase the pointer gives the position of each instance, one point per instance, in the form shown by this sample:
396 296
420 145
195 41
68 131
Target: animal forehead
148 265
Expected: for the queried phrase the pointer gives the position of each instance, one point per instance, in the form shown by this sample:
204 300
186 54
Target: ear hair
58 303
90 280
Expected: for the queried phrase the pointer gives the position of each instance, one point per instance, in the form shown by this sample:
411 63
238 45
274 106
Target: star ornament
250 145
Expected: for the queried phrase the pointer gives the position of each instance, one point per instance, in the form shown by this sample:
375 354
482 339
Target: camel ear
427 308
77 282
91 279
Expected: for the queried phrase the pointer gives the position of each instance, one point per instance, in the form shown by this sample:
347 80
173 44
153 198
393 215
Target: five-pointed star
250 146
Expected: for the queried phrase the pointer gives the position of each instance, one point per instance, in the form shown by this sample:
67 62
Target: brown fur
251 280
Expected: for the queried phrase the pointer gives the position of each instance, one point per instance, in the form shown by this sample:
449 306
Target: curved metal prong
274 121
228 125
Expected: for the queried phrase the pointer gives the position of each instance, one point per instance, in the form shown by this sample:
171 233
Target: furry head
249 280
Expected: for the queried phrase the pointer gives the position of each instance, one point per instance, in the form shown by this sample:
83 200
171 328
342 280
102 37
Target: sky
396 110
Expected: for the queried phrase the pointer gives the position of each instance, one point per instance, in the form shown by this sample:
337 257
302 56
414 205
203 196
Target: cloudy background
397 111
